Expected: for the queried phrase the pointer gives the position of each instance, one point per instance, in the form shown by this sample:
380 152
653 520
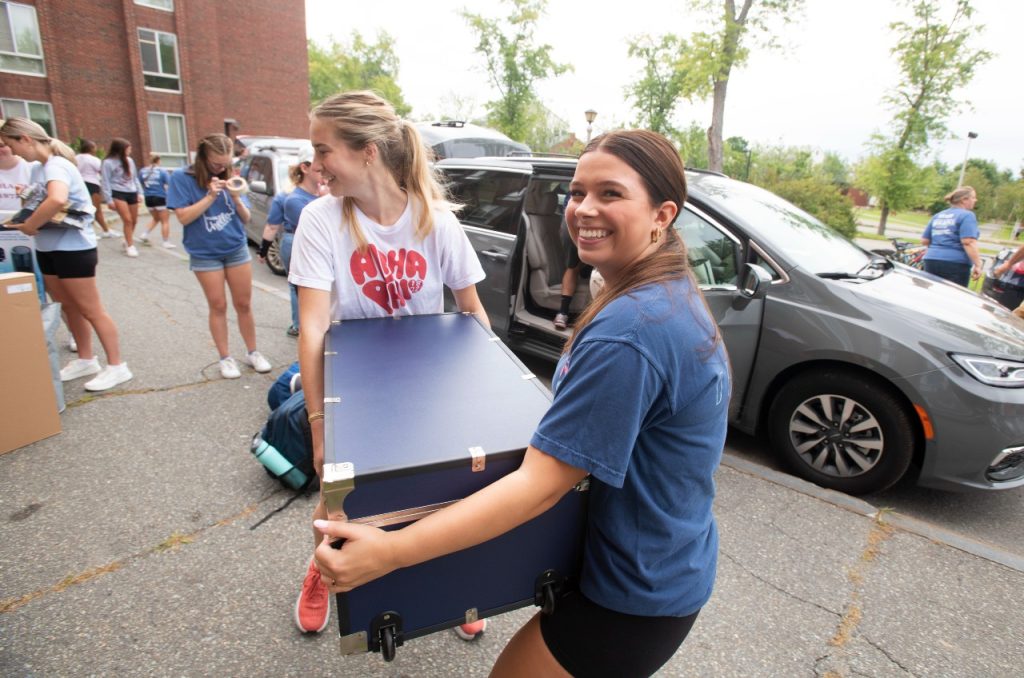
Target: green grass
872 236
872 215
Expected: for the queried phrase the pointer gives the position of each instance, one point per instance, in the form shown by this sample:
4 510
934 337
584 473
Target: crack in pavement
852 616
778 588
887 655
172 542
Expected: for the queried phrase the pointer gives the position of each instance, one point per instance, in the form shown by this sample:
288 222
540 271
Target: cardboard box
28 404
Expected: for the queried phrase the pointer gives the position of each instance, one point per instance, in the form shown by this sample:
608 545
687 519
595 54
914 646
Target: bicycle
905 252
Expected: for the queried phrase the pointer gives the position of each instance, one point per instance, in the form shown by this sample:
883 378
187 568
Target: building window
21 50
157 4
36 111
159 59
167 138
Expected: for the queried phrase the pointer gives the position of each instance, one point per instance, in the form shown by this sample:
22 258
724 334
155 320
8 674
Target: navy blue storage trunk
422 411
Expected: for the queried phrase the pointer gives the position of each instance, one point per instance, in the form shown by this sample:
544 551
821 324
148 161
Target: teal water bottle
277 463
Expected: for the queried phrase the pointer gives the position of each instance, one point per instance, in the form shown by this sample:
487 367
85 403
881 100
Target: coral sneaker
471 631
313 608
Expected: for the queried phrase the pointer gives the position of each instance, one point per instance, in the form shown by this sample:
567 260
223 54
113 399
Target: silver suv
265 168
858 371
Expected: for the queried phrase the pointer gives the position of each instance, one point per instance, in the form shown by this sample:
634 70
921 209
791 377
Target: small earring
655 235
366 164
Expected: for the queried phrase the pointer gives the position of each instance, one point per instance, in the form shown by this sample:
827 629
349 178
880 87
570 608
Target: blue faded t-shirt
218 231
275 215
293 206
154 181
641 403
58 168
945 230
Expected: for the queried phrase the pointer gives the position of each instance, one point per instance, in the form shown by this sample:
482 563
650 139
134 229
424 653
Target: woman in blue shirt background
307 184
155 180
952 239
641 396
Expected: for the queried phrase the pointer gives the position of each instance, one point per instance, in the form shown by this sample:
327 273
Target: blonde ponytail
20 128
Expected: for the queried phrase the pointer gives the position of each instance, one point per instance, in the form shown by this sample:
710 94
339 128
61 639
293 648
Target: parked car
1008 289
459 139
858 370
265 168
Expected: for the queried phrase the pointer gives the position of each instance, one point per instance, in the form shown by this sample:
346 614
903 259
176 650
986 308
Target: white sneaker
169 245
109 377
79 368
72 345
112 234
131 251
258 362
229 368
144 239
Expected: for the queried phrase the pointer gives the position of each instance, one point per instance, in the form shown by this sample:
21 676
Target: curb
915 526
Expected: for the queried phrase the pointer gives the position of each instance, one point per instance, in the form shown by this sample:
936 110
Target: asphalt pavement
144 540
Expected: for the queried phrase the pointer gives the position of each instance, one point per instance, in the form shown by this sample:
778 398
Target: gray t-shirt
60 169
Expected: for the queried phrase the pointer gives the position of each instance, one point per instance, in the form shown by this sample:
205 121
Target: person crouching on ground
67 256
640 404
384 198
213 218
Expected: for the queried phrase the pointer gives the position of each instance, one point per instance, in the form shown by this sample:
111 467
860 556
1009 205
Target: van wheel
842 430
274 257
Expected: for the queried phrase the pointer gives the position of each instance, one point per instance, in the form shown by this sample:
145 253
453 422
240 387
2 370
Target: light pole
967 152
590 113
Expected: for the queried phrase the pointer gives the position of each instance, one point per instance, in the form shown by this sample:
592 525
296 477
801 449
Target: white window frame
155 5
4 113
184 155
177 59
39 39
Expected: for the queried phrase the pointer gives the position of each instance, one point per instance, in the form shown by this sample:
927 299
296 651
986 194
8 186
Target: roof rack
449 123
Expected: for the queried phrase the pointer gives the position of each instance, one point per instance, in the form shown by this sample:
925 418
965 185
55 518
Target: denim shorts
236 258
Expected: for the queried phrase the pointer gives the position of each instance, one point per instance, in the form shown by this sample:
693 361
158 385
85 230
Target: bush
822 199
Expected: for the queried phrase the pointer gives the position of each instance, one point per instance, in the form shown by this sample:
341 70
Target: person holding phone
213 213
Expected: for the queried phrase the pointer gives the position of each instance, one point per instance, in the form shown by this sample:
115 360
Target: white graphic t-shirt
398 274
18 175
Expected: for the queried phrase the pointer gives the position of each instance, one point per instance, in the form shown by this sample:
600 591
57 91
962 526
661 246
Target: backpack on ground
283 386
285 444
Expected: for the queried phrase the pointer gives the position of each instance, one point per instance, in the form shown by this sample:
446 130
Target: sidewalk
132 545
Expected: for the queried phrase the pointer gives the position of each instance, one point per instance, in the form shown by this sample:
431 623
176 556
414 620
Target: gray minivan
859 371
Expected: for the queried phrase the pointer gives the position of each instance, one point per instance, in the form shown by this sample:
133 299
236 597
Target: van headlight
992 371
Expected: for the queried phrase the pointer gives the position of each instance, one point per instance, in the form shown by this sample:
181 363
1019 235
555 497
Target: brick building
160 73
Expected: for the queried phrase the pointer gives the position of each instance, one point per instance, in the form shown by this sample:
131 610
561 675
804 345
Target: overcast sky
823 92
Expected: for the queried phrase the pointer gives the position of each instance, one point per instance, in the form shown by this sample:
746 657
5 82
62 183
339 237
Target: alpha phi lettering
390 279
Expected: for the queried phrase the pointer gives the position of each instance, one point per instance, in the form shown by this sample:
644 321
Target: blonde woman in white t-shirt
383 242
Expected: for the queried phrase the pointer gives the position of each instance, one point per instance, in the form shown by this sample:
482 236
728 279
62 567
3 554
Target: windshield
794 234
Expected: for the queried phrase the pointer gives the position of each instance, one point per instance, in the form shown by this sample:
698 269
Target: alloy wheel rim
836 435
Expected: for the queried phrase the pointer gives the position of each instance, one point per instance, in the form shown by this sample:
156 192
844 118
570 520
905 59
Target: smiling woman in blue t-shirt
952 239
641 397
214 218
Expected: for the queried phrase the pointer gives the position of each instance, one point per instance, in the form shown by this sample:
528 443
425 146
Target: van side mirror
756 282
258 187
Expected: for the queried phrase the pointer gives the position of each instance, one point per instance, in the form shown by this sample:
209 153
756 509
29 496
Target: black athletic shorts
93 188
592 641
155 201
130 198
65 264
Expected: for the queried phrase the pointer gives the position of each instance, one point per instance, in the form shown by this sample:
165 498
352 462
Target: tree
935 59
656 94
356 65
708 60
514 63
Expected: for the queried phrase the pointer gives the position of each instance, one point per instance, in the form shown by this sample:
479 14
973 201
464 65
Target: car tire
865 445
274 257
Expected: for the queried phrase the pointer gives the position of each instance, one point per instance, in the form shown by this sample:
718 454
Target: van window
712 253
491 200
